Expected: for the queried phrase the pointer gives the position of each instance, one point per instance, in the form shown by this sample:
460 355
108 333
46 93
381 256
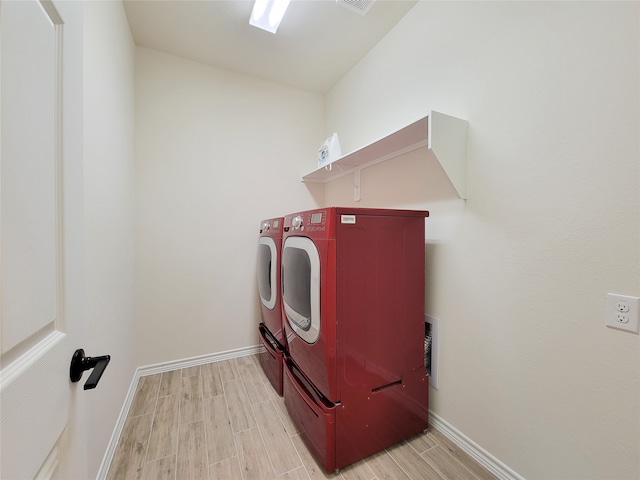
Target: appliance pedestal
363 423
271 360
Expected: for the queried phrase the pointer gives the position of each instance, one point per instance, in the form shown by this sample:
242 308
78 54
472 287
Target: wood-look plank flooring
224 421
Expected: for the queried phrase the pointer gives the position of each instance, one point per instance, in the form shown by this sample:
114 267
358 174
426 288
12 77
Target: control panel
267 226
306 221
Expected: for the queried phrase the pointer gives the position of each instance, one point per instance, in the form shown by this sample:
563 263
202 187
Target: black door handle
80 363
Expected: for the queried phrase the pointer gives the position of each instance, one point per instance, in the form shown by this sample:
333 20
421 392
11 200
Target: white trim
311 334
268 241
153 370
11 372
478 453
194 361
49 466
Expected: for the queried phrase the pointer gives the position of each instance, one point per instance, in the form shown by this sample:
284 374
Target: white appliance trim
271 244
153 370
306 244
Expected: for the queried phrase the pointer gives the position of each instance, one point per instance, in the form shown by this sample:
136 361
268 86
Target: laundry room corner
216 152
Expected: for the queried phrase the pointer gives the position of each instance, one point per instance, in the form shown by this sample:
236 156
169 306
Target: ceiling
317 43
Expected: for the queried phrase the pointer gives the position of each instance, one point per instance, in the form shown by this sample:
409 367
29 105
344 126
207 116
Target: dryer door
267 265
301 287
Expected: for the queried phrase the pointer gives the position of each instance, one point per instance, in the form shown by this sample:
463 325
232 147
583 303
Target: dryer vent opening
361 7
431 327
428 337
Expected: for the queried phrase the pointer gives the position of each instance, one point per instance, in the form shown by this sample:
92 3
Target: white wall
109 214
517 274
216 152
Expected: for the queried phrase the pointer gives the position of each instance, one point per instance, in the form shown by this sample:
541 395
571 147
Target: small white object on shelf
329 151
445 136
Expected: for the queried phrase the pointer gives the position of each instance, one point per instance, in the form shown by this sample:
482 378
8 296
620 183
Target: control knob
296 222
265 227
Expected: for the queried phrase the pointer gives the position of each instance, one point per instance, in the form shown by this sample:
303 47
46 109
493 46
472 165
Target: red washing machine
268 272
353 290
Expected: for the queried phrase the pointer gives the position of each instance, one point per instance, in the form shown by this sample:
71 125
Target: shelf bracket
356 185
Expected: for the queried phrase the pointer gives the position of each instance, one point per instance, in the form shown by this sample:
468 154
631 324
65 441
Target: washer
353 290
270 328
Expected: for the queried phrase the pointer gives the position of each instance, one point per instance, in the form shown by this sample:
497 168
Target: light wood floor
224 421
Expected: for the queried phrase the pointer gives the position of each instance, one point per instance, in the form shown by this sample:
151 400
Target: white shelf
445 136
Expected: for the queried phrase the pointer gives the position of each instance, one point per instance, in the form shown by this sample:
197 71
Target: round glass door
301 287
267 264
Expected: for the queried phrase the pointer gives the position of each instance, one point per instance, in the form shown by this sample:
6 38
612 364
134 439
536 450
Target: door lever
80 363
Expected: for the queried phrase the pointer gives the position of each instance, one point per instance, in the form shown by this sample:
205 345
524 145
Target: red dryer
353 290
270 329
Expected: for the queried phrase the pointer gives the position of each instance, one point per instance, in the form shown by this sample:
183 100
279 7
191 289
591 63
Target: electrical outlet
622 312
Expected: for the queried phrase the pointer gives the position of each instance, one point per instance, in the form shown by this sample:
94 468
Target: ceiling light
267 14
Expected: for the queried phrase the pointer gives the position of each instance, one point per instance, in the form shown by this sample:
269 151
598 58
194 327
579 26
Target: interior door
38 138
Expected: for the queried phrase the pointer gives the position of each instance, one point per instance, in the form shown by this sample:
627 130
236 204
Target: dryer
268 273
353 290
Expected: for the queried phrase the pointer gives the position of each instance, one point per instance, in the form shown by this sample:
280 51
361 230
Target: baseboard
478 453
153 370
195 361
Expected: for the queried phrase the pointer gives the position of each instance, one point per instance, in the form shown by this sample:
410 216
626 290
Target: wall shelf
445 136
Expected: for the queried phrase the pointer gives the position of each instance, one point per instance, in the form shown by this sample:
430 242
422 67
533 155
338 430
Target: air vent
361 7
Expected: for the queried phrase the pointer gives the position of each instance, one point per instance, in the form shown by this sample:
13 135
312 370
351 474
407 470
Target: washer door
301 287
267 264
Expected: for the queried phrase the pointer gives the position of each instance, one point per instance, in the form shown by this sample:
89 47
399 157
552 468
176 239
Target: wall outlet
622 312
